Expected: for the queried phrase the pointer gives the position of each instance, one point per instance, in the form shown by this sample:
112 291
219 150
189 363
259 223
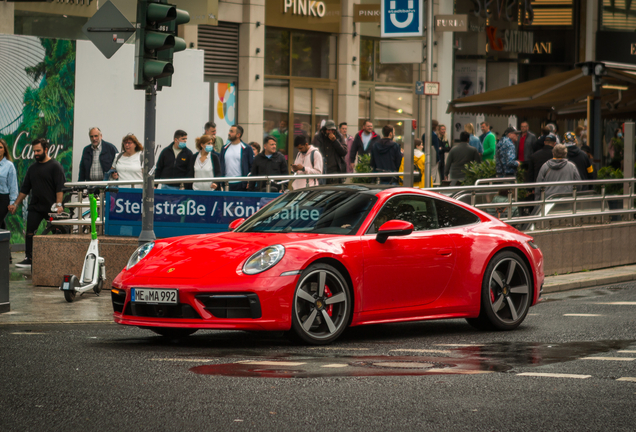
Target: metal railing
496 185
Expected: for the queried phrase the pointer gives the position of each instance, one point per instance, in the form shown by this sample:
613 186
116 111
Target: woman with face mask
204 164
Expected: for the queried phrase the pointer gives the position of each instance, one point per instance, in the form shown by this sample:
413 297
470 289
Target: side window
418 210
450 215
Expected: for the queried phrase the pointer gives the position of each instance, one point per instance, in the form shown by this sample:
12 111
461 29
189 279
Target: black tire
321 307
69 296
173 333
506 293
100 284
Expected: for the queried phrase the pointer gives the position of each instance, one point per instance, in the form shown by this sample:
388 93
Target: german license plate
154 296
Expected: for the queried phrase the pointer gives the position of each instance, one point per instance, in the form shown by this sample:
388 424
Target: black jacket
106 158
216 167
169 167
262 165
536 161
582 163
357 147
539 143
333 152
386 156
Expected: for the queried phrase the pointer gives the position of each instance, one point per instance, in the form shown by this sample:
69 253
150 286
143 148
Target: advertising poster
224 108
37 99
470 78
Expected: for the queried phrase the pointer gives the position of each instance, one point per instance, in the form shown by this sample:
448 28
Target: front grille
161 311
234 305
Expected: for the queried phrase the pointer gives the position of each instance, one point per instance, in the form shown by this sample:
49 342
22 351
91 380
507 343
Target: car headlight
264 259
139 254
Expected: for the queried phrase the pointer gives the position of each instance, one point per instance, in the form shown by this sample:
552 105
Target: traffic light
157 42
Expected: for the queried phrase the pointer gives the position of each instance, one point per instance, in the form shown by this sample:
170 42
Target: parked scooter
94 269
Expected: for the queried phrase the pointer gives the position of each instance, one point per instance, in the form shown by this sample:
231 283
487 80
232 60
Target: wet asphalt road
440 375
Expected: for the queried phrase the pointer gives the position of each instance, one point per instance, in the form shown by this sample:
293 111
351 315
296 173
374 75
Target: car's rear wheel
173 333
322 305
506 293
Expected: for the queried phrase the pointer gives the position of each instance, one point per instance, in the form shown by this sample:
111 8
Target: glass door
311 105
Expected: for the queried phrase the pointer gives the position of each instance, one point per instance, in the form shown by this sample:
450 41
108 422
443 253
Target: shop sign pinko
305 7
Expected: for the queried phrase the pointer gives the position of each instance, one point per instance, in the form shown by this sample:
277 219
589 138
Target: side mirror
236 223
393 228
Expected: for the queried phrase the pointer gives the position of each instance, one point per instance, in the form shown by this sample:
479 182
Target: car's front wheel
506 293
322 305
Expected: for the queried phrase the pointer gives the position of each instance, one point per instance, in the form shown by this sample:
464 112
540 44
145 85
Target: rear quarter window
450 215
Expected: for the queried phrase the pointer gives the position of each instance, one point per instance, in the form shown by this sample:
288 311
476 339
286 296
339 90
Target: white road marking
460 345
582 315
188 360
553 375
532 314
335 365
608 358
423 351
618 303
630 379
628 351
339 348
270 363
27 333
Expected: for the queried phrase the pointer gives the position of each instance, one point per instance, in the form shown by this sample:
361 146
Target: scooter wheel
69 296
98 288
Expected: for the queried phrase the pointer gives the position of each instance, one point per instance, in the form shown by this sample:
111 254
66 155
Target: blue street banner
401 18
181 212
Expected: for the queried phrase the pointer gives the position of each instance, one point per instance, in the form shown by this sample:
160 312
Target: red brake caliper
328 294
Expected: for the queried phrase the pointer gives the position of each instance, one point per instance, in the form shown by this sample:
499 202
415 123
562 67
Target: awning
563 95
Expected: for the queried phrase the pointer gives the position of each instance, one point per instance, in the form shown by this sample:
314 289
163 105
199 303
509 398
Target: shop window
394 106
619 15
313 55
366 59
276 112
277 52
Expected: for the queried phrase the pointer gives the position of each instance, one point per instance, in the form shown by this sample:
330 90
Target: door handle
445 252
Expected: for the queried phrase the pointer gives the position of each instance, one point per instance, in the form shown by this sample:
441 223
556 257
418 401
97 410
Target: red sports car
317 260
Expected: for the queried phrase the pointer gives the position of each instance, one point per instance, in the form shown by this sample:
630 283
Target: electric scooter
94 270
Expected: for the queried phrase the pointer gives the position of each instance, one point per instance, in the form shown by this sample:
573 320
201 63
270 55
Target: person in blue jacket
236 158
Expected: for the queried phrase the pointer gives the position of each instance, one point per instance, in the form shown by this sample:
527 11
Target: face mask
620 135
209 148
182 145
40 157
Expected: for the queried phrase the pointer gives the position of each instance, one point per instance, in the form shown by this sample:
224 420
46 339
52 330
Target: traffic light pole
148 202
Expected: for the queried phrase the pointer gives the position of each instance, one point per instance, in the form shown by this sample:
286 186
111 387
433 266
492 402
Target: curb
587 283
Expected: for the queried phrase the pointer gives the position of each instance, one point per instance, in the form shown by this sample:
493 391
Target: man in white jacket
308 161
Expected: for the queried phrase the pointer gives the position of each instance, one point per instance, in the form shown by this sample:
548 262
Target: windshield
313 211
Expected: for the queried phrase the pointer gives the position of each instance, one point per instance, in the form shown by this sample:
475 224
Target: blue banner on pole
402 18
181 212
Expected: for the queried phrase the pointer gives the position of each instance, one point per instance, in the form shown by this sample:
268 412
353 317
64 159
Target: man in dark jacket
97 157
333 148
579 159
268 162
538 145
386 155
439 156
540 157
363 142
174 160
525 145
460 155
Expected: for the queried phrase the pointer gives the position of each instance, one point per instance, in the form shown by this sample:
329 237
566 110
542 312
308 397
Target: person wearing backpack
308 161
128 164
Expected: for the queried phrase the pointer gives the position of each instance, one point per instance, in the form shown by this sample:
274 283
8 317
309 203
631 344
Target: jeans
237 187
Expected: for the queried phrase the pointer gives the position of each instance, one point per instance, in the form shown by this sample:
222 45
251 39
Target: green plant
609 172
364 166
475 171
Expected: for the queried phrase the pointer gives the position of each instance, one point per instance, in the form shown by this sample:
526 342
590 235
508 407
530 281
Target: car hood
196 256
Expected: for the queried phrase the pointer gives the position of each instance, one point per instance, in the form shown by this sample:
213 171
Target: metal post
409 147
429 99
543 207
628 172
597 122
148 202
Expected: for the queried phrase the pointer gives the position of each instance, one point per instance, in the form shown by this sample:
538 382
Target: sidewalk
31 304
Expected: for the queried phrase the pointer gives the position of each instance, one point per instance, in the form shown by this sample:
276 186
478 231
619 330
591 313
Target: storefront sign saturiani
312 15
512 41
